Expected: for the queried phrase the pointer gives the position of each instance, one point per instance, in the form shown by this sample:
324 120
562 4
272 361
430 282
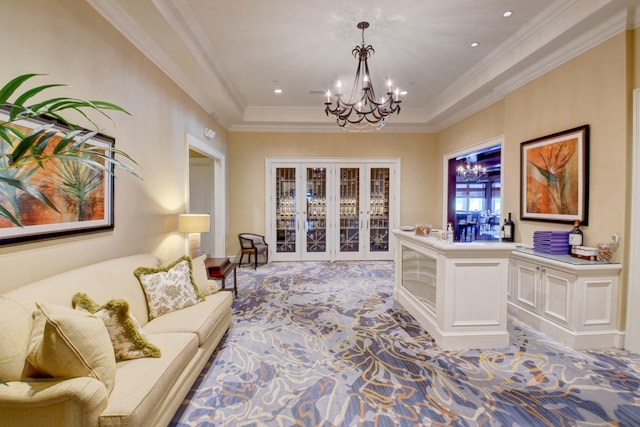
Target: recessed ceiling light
277 91
475 44
403 93
507 14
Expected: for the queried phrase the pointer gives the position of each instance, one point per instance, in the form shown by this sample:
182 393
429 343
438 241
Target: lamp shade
194 223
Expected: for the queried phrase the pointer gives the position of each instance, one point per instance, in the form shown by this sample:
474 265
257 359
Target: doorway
206 192
201 195
473 193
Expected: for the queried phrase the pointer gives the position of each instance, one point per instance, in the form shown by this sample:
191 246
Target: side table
219 268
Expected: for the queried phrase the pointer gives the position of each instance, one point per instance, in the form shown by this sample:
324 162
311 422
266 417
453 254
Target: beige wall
247 153
590 89
72 44
478 128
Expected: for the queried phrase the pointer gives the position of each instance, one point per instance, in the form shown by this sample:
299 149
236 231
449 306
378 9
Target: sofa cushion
168 288
200 276
15 328
127 337
200 319
142 383
69 343
103 280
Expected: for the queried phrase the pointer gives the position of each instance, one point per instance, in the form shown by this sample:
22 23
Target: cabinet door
285 223
317 207
557 290
526 289
377 231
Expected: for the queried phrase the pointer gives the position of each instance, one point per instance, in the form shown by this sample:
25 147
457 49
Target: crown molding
471 93
130 29
445 106
183 21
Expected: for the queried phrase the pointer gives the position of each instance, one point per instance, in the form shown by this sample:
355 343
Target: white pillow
201 277
168 288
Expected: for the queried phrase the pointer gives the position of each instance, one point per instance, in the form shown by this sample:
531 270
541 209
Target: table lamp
194 224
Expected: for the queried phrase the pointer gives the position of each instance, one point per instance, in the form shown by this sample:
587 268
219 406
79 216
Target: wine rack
286 210
379 210
316 210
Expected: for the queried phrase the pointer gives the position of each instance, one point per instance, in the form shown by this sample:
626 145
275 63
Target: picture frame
83 196
554 177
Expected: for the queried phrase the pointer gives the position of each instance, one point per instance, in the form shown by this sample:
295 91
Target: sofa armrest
65 402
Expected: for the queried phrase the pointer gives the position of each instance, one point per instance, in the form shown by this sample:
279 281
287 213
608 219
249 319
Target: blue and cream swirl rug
324 344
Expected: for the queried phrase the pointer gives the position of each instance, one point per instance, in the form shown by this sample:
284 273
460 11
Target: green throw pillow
168 288
127 337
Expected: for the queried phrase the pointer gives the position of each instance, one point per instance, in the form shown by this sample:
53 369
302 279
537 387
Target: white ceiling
230 55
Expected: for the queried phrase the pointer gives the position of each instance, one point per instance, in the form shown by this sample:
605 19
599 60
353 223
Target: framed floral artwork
554 177
62 197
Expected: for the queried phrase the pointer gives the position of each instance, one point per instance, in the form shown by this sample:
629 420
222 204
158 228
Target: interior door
285 221
350 212
316 210
378 214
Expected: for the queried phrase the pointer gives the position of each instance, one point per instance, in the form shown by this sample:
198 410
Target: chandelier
363 112
470 173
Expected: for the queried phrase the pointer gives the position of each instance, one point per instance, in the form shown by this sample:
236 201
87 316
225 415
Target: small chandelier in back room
471 173
363 112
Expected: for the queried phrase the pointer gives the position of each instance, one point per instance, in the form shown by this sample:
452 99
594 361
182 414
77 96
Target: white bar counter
456 291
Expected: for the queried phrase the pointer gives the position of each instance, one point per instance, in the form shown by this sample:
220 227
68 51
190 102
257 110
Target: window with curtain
470 196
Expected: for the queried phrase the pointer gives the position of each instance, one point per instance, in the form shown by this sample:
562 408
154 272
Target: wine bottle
508 229
575 237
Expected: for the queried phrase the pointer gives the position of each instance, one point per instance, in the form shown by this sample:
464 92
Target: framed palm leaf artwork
44 191
554 174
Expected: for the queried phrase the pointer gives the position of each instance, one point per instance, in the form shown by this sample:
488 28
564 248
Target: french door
331 209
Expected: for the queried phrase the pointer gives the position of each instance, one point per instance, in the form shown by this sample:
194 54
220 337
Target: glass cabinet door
285 198
379 210
316 210
349 232
419 276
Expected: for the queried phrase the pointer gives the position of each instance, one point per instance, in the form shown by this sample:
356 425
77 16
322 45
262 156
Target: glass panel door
349 240
316 211
379 210
285 198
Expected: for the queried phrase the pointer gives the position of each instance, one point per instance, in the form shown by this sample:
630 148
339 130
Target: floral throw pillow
127 337
168 288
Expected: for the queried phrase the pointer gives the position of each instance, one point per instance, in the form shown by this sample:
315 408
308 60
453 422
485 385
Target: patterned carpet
324 344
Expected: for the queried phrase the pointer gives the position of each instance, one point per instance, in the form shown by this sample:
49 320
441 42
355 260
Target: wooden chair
253 244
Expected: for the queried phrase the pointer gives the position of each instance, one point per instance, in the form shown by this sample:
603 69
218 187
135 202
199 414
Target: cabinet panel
527 286
558 291
598 302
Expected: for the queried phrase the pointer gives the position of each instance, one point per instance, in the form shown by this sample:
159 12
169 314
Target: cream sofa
146 391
